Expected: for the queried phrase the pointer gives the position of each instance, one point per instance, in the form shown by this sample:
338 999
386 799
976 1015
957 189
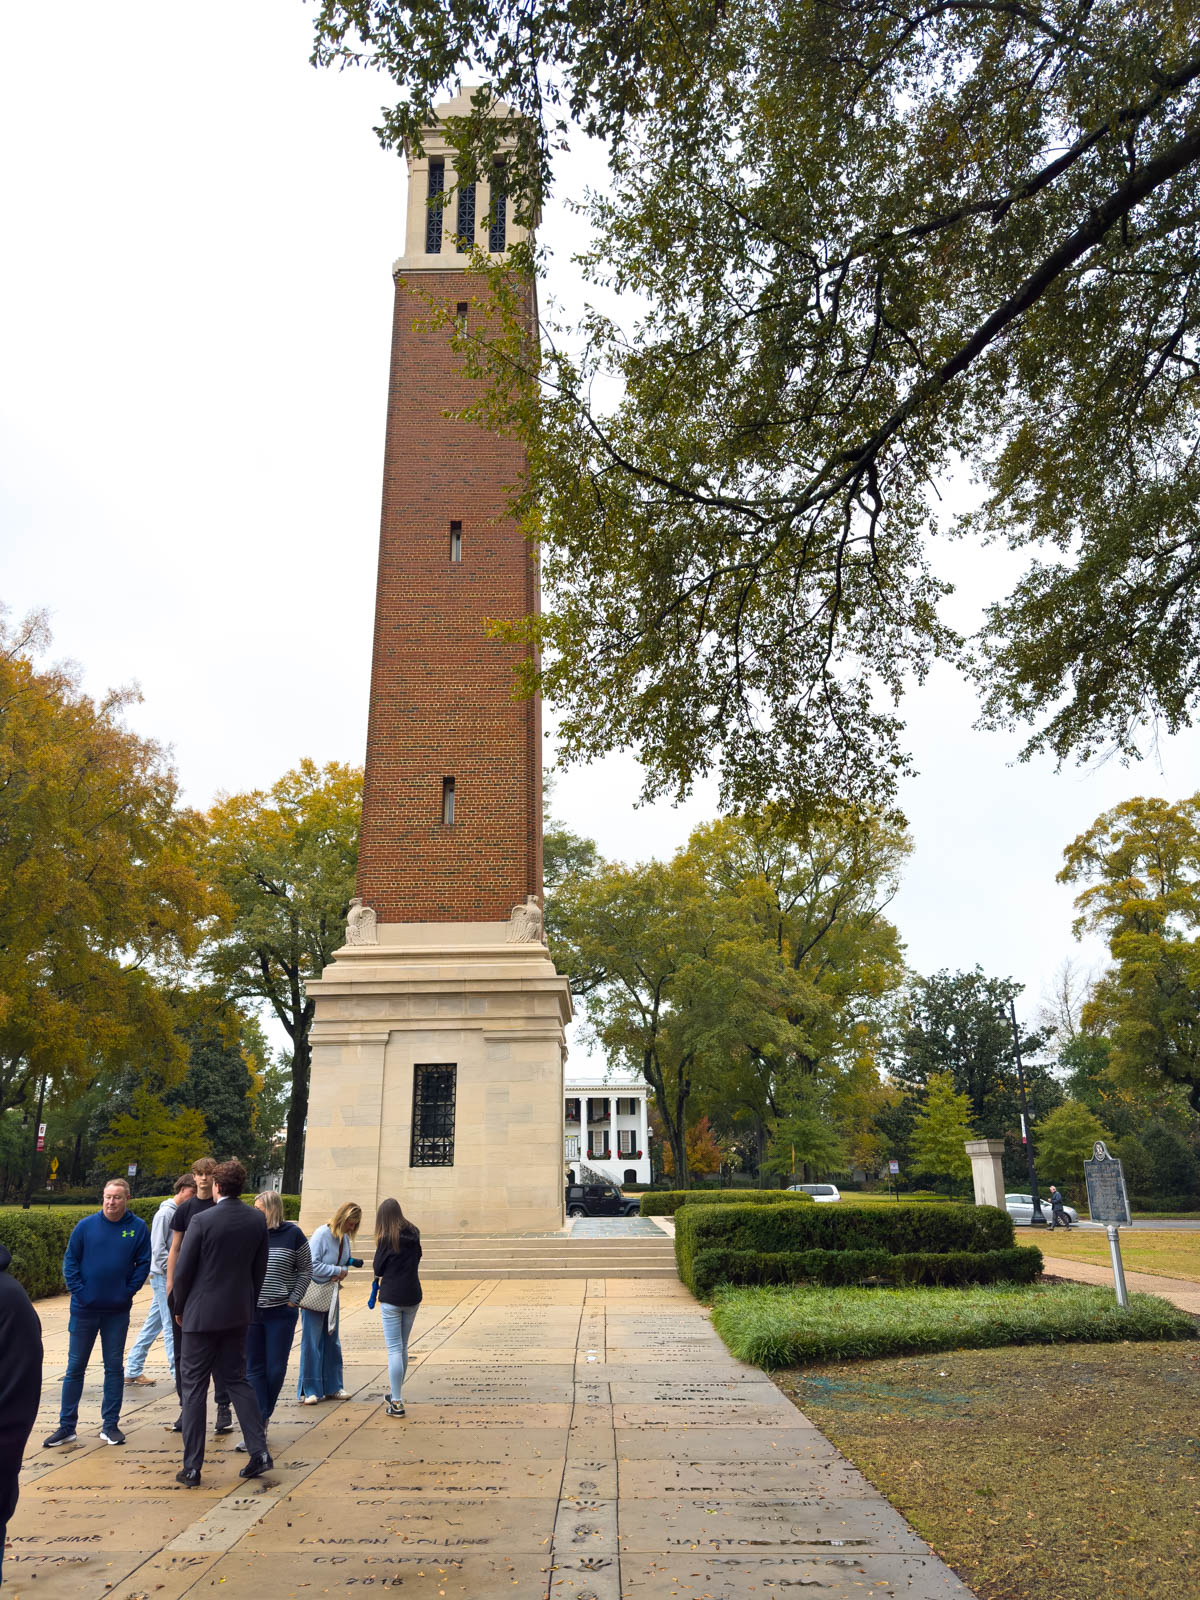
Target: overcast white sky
195 305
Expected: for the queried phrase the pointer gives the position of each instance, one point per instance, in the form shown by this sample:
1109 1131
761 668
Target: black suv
599 1200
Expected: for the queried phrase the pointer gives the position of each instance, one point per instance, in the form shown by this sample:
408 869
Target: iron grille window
433 218
498 231
466 217
433 1115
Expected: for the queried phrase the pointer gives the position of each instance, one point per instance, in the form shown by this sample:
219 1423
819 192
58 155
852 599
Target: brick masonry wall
441 692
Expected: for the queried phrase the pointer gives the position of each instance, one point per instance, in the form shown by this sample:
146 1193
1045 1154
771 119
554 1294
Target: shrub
37 1239
777 1229
666 1202
1163 1202
841 1268
788 1327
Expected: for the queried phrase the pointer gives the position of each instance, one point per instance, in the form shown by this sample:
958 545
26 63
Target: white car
1020 1209
822 1193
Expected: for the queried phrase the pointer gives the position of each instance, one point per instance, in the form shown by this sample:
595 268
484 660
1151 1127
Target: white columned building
606 1127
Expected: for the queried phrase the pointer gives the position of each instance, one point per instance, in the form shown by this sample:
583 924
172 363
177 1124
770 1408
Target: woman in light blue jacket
331 1247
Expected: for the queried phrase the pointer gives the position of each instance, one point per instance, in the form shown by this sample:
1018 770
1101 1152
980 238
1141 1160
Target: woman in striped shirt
269 1337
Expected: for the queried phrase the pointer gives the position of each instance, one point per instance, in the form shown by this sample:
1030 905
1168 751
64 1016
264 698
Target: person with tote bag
397 1253
320 1347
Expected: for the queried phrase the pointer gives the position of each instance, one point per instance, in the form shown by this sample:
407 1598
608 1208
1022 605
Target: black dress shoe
224 1420
176 1426
189 1477
256 1466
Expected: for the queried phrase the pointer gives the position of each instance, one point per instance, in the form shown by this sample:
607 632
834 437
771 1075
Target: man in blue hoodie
106 1263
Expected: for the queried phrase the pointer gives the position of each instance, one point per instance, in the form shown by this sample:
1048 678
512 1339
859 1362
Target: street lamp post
1036 1219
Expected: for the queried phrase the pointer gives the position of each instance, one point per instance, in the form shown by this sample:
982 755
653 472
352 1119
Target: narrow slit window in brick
456 541
466 217
448 800
433 218
433 1115
498 230
460 317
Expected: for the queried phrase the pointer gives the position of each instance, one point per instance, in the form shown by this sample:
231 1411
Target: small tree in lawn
1065 1141
941 1130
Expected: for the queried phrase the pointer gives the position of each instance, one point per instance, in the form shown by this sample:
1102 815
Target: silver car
1020 1209
822 1193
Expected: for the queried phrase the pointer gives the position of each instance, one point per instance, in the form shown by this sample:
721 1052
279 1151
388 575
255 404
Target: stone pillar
986 1171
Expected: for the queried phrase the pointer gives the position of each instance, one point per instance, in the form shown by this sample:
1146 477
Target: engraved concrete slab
382 1521
799 1521
792 1445
733 1577
683 1414
68 1575
724 1480
518 1478
435 1442
254 1575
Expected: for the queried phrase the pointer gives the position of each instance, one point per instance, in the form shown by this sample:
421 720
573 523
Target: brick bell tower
438 1035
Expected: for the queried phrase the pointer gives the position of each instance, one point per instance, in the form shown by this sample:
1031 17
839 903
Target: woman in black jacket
397 1252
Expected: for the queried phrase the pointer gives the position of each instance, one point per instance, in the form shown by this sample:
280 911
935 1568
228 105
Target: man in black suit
218 1276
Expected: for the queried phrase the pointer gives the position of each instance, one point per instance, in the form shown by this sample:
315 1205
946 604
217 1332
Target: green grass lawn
787 1327
1069 1473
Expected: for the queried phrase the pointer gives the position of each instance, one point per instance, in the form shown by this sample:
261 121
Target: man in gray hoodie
158 1318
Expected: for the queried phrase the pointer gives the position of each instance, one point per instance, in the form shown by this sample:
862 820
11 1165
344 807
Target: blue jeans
320 1357
112 1326
158 1320
397 1324
268 1346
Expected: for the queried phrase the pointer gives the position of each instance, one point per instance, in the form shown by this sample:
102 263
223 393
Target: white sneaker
342 1394
311 1400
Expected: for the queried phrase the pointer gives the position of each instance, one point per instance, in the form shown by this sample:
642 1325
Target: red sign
41 1143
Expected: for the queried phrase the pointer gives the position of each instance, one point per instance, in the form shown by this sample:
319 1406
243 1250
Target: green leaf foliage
1140 867
941 1130
851 247
286 858
1065 1141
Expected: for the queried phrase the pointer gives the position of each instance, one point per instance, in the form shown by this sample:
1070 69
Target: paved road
584 1440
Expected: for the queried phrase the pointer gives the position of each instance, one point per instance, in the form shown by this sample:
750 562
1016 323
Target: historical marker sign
1108 1199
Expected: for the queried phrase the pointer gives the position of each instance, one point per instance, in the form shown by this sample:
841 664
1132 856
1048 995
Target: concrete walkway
1181 1292
586 1440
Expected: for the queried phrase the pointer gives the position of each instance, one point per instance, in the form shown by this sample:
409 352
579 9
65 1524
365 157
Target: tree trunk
293 1153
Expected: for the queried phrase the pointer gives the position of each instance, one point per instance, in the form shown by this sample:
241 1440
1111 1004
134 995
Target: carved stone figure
360 924
525 923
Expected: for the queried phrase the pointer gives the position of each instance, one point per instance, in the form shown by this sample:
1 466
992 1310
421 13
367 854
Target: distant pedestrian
106 1262
1058 1217
202 1201
331 1247
20 1385
397 1255
269 1339
218 1279
158 1318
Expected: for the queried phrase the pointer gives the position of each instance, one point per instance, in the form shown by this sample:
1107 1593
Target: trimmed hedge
37 1239
666 1202
1163 1202
836 1269
886 1231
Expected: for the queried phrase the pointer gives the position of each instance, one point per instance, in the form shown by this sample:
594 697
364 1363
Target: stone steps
557 1257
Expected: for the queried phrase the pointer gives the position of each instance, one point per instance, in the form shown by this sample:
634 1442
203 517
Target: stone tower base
439 993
